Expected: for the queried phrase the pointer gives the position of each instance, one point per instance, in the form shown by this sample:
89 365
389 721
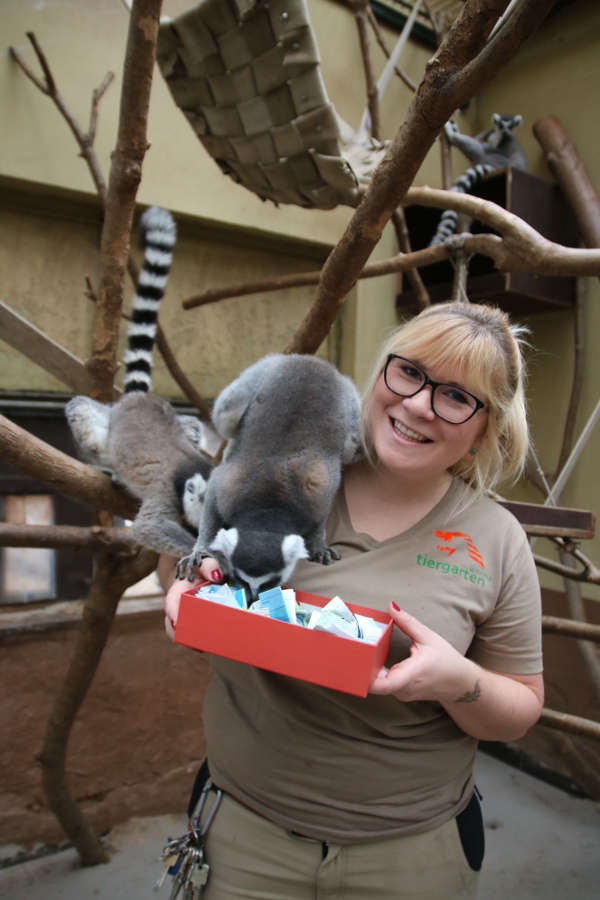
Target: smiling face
407 436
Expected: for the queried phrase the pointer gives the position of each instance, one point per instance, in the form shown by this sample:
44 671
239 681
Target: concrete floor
540 843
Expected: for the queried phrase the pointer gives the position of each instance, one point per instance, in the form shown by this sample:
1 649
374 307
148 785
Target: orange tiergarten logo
446 547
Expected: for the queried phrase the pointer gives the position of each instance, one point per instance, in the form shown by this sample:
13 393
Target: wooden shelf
538 202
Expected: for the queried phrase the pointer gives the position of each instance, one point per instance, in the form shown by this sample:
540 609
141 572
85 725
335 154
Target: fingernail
216 575
395 605
172 624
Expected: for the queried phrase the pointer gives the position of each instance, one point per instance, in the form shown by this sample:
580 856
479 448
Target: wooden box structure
538 202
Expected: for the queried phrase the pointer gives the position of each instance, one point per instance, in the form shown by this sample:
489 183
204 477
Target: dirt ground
541 844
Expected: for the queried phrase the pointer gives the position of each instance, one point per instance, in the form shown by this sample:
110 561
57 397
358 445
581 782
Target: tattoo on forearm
470 696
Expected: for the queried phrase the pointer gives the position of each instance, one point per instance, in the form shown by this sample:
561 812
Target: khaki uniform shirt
347 769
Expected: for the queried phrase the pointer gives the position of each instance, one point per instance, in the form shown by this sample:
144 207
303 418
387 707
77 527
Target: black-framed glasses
448 401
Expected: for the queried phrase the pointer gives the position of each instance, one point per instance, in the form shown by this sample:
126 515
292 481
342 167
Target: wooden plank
573 724
553 521
33 343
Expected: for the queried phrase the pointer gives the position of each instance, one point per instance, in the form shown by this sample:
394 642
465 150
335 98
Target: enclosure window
27 574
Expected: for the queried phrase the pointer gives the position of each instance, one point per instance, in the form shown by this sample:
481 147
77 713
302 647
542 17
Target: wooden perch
61 472
33 343
552 521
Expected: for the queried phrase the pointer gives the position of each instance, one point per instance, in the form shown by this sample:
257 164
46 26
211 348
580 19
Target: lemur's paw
184 569
186 565
325 556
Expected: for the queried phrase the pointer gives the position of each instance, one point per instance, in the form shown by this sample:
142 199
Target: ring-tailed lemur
153 452
495 148
292 422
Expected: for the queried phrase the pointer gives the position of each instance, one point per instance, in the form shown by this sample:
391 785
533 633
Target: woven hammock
245 73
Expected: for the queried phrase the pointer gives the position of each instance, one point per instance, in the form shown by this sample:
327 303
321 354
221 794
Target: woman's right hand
208 571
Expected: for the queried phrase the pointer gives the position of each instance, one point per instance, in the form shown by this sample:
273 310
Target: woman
327 794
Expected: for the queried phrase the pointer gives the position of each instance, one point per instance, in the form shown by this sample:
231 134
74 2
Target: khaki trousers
250 857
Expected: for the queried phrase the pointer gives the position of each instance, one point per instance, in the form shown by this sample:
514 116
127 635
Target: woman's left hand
433 671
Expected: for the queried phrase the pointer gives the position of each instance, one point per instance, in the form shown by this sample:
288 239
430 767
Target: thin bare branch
96 98
51 90
16 56
360 16
43 63
413 275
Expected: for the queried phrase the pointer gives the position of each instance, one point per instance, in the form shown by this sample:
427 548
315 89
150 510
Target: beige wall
84 39
55 247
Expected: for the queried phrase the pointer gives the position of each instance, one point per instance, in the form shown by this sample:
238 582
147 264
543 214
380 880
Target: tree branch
518 248
588 572
49 88
75 537
62 473
113 575
125 176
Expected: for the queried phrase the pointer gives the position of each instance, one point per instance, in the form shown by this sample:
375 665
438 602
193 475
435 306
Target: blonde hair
482 344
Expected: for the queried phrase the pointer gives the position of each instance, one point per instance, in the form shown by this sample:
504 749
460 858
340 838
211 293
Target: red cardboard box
337 662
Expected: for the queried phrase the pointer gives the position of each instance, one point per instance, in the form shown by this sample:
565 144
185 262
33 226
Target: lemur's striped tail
158 237
463 185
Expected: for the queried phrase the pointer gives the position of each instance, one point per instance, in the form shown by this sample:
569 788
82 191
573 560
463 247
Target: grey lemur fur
153 452
495 148
292 422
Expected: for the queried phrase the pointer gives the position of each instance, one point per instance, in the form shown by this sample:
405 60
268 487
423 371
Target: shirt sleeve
510 639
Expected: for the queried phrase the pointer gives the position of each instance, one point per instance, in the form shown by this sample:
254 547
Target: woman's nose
420 403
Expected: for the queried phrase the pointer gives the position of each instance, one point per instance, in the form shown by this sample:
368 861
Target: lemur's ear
293 548
225 542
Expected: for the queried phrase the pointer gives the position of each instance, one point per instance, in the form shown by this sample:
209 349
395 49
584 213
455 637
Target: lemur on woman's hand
292 422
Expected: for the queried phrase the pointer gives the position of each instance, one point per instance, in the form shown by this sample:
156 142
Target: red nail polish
172 624
395 605
216 575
